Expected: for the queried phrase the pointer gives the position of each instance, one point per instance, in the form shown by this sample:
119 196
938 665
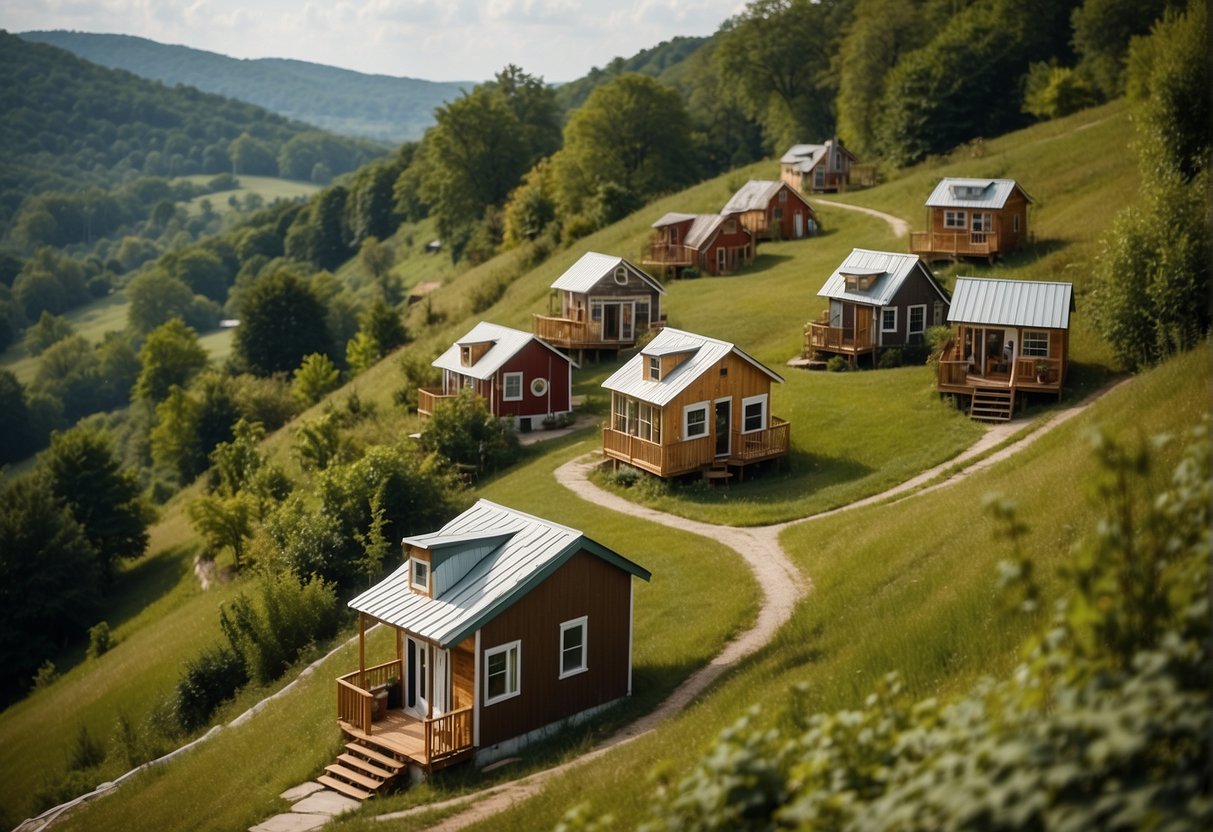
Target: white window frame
883 326
507 380
539 386
1031 343
982 221
910 318
621 275
424 584
762 400
955 219
583 624
619 411
686 419
654 371
513 686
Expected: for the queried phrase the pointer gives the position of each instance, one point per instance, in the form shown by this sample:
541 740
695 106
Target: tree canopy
281 322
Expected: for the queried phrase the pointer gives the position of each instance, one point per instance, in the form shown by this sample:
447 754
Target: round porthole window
539 386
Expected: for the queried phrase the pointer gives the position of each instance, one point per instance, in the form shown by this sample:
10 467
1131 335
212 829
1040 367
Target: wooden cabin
816 168
711 243
877 299
773 210
973 218
1012 339
600 302
507 627
687 403
517 375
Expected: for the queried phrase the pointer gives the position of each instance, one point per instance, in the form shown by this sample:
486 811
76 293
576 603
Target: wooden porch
428 398
953 244
669 255
570 334
990 386
697 454
819 336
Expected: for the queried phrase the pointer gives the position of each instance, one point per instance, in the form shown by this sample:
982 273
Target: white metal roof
673 218
703 226
1031 303
592 267
754 195
506 344
527 550
630 380
953 192
804 156
890 268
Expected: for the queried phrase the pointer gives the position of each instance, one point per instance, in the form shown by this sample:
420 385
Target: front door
610 322
863 326
626 324
724 426
722 261
416 697
798 225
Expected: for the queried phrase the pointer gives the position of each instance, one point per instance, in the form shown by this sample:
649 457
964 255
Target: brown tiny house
877 299
973 218
600 303
773 210
507 627
1012 338
688 403
711 243
815 168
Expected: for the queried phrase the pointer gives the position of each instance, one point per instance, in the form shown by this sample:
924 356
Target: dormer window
730 227
859 282
465 356
654 372
419 575
621 276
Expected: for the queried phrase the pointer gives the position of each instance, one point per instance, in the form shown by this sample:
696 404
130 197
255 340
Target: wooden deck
936 245
999 381
697 454
821 337
667 254
429 398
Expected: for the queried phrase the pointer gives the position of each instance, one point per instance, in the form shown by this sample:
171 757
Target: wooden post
362 650
400 658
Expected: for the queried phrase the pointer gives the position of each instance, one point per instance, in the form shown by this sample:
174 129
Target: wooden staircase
992 404
360 772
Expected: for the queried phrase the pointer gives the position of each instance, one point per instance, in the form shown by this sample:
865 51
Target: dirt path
899 227
781 584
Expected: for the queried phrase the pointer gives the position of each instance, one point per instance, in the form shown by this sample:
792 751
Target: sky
438 40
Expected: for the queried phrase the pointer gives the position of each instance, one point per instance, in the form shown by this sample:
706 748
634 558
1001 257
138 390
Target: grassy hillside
377 107
854 434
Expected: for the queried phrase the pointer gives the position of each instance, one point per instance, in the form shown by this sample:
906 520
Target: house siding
916 291
742 381
533 361
584 585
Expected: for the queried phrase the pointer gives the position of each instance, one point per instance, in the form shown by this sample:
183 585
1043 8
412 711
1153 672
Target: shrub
890 358
46 676
209 680
464 431
99 639
837 364
86 751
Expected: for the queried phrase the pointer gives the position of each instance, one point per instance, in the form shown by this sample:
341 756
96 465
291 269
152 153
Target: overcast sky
439 40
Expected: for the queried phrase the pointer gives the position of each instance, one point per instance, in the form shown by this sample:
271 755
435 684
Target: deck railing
429 398
448 734
1026 372
355 702
822 336
663 460
763 444
669 254
953 242
563 331
954 371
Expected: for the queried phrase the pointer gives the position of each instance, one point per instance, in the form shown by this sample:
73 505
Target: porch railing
763 444
953 242
1026 372
822 336
668 254
355 702
562 331
448 734
663 460
429 398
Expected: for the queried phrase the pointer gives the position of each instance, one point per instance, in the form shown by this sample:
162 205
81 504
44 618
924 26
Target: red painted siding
534 361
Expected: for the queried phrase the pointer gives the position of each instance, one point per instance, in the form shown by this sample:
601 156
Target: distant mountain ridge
380 107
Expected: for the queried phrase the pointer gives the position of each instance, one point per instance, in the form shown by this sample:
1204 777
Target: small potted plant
1042 371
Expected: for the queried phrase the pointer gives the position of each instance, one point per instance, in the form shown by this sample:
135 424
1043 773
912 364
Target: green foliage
170 355
316 377
86 751
890 358
50 281
362 353
382 322
1052 91
281 321
463 430
210 679
157 297
1105 724
100 640
46 676
189 424
49 330
1103 30
837 364
318 442
16 429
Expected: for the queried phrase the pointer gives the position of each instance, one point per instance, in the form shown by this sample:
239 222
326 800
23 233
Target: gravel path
899 226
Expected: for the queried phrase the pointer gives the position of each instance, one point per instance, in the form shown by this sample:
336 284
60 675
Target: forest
302 484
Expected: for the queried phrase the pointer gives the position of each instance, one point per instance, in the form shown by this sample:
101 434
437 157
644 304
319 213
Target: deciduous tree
281 321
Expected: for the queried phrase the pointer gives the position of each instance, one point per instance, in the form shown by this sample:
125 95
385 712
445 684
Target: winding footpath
780 582
899 227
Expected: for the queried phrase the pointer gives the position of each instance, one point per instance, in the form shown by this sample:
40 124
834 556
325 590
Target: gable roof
1031 303
953 192
805 157
706 353
891 269
592 267
523 551
757 194
506 342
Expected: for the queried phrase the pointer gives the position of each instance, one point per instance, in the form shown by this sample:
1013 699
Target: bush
46 676
464 431
210 680
99 639
86 751
890 358
837 364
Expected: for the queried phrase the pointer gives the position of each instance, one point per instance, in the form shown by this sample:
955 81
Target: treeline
69 124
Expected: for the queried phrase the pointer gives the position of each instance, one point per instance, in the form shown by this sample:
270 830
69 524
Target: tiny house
517 375
600 302
877 299
712 243
973 218
815 168
689 403
507 627
1012 338
772 210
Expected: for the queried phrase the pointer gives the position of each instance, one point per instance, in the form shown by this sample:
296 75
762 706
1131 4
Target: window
465 356
954 219
649 428
730 227
655 367
1035 343
754 413
539 386
982 221
777 214
783 195
502 667
695 420
621 413
888 319
1015 223
642 314
573 647
513 387
595 310
918 318
419 575
621 276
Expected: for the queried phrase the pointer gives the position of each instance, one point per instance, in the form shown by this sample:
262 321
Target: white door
416 696
798 225
442 688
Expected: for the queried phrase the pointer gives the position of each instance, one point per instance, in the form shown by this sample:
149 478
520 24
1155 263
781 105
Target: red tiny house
773 210
716 244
